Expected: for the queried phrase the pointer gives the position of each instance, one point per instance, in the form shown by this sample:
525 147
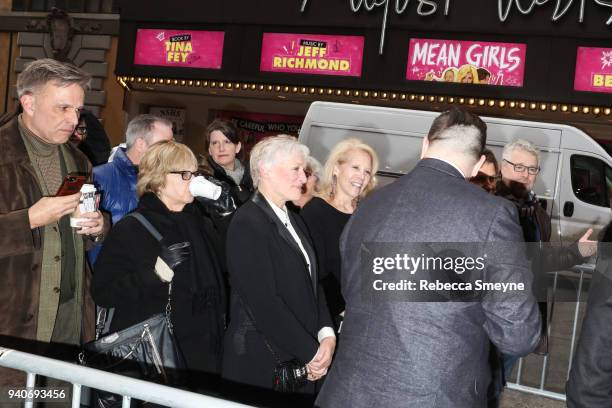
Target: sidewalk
515 399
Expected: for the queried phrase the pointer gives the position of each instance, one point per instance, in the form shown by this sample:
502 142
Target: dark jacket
241 192
269 278
21 248
590 380
405 353
124 278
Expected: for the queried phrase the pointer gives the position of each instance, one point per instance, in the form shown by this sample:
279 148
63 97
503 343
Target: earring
333 186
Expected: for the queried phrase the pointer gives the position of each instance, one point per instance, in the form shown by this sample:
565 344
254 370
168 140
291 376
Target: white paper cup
87 203
200 187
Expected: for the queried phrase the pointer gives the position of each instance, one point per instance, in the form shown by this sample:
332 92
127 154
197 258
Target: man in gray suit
431 354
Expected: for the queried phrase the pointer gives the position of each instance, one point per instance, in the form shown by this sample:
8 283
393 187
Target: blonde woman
467 74
450 74
348 176
125 275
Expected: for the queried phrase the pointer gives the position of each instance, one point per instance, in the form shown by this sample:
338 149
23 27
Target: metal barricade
580 272
127 387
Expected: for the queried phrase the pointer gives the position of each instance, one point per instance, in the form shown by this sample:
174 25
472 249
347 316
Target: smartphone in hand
72 184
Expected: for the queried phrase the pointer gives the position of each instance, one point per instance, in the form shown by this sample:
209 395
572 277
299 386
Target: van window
591 180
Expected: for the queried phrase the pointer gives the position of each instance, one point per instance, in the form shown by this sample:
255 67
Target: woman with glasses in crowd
277 311
91 138
488 175
131 277
348 177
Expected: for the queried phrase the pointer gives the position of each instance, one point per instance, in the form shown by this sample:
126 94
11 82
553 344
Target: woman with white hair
277 312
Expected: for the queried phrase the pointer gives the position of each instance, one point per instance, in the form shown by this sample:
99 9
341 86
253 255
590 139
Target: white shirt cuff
325 332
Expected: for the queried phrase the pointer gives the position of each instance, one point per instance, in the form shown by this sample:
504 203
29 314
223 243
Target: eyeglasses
81 130
186 174
520 168
482 178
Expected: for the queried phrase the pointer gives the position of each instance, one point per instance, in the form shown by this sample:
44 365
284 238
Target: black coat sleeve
590 380
125 267
252 275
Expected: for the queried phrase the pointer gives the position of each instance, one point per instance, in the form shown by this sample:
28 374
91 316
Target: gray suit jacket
427 354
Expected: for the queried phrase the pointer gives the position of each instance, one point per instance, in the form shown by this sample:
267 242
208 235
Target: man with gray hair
44 298
117 179
520 167
409 348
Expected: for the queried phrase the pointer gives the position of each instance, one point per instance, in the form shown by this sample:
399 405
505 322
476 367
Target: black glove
223 205
175 254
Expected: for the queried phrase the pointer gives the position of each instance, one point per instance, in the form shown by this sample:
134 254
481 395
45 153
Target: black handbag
147 350
288 376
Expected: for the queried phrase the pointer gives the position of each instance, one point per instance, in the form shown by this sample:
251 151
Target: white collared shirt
283 216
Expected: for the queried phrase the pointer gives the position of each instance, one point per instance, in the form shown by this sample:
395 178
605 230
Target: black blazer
270 282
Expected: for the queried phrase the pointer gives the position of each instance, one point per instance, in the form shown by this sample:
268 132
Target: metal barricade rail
581 271
128 387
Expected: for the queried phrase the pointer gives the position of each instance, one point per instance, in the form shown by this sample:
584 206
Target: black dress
124 279
325 224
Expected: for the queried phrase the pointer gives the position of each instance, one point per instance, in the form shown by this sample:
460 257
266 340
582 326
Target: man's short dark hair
459 119
456 117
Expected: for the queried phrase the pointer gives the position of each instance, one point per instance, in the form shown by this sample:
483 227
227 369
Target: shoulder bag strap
147 224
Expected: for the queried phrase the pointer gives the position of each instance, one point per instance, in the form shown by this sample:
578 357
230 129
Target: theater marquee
340 55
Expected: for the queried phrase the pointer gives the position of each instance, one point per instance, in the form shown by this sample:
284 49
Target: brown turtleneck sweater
46 158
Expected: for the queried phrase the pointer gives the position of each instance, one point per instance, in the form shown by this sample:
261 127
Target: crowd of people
268 274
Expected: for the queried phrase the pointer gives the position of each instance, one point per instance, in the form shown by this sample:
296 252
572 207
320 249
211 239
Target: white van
575 182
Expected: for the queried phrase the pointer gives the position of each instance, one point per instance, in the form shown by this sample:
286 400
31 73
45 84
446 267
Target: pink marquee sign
179 48
340 55
474 62
593 69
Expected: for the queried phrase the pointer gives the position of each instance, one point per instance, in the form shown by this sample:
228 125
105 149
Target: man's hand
320 363
50 209
586 247
92 224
